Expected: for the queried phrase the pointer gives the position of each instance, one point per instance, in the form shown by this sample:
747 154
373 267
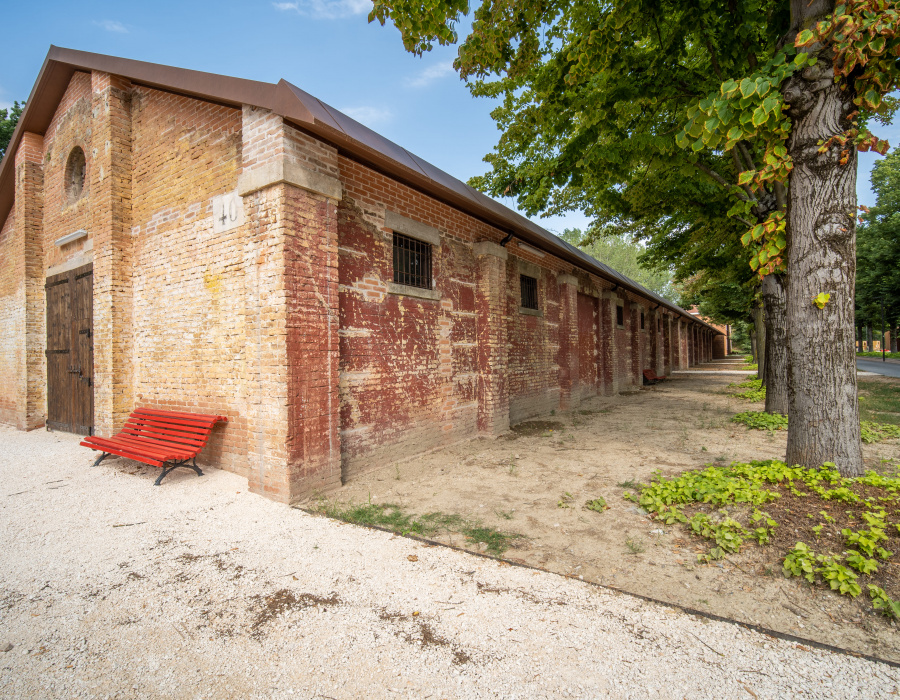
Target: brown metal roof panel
208 86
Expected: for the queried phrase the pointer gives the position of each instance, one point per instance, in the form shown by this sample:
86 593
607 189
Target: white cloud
430 74
111 25
370 116
325 9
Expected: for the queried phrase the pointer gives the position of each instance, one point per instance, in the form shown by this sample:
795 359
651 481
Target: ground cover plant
838 532
891 355
753 389
393 517
760 420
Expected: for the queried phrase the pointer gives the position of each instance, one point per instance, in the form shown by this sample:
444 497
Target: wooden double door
70 351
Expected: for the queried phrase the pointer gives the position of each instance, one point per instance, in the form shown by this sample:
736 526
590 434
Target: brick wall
12 312
289 323
192 307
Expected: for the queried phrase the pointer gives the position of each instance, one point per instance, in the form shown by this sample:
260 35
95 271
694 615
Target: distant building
722 342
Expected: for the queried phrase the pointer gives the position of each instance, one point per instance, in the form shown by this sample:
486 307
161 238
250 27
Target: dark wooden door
70 351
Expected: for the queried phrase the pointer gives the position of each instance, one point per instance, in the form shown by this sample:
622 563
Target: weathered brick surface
287 324
29 213
12 318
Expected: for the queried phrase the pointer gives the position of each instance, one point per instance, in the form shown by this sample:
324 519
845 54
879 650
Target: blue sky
326 47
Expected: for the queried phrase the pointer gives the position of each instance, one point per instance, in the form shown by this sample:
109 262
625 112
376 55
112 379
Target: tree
623 254
8 120
768 100
878 251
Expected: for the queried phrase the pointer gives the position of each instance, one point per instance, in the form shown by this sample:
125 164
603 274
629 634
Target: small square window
620 315
529 292
642 320
412 262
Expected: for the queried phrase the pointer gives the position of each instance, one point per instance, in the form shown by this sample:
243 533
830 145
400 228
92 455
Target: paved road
889 369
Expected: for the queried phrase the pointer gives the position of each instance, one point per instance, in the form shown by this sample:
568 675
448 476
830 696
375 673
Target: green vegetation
879 401
598 504
889 355
760 420
779 506
755 391
8 120
392 517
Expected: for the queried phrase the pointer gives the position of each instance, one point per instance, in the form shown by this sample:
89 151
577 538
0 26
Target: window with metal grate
642 320
620 315
529 292
412 262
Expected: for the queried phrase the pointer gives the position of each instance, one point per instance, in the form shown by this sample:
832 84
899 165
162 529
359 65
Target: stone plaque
228 212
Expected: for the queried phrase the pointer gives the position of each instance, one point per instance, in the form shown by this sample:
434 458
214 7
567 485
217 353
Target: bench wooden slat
158 451
172 415
170 451
122 452
162 433
196 429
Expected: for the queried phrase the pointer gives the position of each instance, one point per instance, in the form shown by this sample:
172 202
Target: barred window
642 320
620 315
412 262
529 292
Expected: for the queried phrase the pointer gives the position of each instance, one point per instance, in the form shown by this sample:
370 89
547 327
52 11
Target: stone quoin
246 250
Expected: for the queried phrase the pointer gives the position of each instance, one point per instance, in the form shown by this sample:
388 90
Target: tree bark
759 324
776 363
894 338
753 352
823 413
869 338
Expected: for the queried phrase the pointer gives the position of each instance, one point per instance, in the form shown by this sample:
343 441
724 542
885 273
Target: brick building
190 241
721 342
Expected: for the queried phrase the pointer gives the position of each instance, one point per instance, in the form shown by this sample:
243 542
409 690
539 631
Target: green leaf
748 87
759 116
735 133
746 177
728 87
805 38
745 239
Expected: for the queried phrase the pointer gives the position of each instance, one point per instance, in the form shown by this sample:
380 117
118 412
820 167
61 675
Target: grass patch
891 355
879 400
630 484
392 517
837 532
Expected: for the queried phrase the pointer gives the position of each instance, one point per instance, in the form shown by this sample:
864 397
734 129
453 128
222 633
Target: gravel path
197 589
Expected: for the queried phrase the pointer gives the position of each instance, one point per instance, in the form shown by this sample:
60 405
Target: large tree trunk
894 338
776 363
869 338
753 353
823 413
759 353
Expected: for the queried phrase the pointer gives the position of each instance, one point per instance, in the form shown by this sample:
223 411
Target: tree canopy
8 120
878 252
621 252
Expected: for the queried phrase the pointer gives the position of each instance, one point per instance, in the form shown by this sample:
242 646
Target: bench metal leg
174 465
101 458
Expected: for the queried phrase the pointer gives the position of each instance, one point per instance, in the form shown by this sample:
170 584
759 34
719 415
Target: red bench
650 377
158 438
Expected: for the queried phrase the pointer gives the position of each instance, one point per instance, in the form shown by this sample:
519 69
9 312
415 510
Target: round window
76 168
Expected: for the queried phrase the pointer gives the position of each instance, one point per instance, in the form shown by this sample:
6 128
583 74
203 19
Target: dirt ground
536 480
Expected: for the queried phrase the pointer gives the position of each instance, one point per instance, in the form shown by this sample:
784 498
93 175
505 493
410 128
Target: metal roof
314 116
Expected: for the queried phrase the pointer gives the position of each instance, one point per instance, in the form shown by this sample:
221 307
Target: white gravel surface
111 587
